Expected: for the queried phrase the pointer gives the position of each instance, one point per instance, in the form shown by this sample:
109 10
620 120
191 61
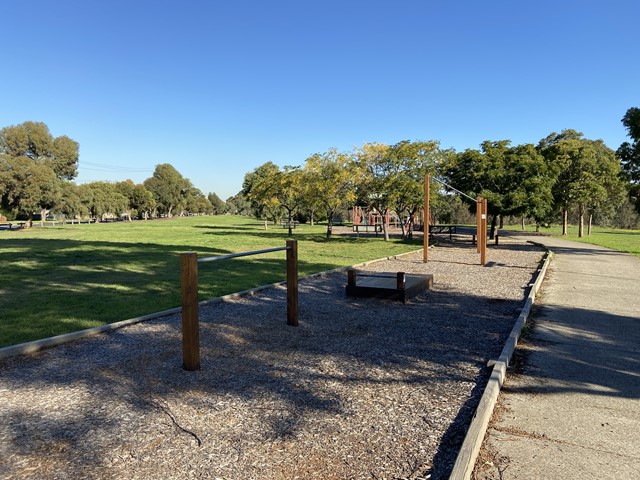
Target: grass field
55 280
622 240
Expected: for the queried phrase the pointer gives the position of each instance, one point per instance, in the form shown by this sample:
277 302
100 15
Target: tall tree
254 190
32 163
330 180
34 141
513 179
629 153
375 161
169 188
103 200
586 172
409 163
218 205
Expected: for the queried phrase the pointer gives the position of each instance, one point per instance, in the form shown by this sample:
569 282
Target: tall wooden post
292 282
478 222
483 251
425 250
190 327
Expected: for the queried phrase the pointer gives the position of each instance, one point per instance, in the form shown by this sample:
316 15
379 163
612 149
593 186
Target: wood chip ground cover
360 389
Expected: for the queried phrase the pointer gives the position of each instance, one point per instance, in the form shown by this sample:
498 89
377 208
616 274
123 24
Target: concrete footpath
573 410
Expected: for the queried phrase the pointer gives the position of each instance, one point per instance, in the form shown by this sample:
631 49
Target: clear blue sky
217 88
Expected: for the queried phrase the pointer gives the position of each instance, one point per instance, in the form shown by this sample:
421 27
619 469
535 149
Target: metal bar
242 254
454 189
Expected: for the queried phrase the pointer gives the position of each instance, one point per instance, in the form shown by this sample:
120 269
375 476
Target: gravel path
361 389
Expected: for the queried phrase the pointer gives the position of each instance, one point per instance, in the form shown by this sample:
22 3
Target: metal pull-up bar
481 220
189 282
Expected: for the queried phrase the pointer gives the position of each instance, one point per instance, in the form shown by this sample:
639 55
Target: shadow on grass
51 287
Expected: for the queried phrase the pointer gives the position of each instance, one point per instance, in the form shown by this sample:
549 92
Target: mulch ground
362 388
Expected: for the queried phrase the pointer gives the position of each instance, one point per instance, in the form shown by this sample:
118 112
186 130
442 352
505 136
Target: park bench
365 227
446 229
10 225
286 224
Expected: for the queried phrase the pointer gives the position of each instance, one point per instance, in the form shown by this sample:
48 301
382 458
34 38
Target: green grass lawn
60 279
622 240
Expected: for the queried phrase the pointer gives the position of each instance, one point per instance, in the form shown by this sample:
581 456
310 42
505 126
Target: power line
102 167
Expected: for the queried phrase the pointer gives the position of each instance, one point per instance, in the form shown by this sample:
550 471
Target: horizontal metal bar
454 189
241 254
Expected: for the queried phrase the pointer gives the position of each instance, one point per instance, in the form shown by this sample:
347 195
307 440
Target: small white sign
484 217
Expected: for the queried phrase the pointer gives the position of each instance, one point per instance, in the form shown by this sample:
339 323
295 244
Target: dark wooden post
400 280
351 277
292 282
425 241
483 251
190 327
478 222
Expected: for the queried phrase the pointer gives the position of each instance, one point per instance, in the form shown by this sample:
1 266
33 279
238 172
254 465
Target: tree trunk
589 224
565 220
43 216
580 220
290 216
522 225
311 219
494 223
266 224
502 222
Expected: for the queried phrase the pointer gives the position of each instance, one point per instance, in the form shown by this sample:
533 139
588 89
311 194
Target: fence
189 280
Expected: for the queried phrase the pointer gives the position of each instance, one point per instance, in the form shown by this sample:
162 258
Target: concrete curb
37 345
465 462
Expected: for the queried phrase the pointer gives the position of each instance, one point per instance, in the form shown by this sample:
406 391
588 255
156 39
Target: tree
375 189
34 141
168 187
29 187
409 163
262 202
330 180
217 204
514 179
238 205
103 200
70 204
629 154
32 165
140 200
586 173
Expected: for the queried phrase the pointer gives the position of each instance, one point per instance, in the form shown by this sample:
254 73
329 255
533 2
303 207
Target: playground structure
190 311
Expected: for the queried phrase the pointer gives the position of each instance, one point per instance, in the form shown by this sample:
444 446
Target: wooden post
483 251
351 277
190 327
292 282
425 241
400 281
478 222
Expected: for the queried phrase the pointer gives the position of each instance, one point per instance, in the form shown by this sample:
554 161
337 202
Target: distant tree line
563 177
36 173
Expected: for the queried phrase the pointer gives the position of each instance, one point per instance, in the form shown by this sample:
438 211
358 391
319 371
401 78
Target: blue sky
217 88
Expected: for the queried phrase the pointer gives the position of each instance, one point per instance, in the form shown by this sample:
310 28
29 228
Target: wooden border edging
37 345
466 459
